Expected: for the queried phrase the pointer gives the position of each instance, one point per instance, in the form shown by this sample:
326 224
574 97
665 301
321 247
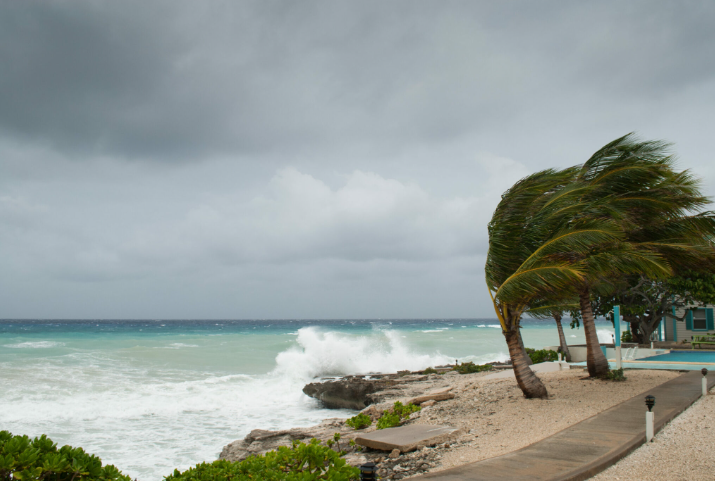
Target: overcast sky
184 159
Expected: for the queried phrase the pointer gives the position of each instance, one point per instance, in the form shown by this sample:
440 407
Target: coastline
493 417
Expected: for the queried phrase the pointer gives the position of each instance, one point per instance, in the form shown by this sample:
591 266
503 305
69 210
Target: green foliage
430 370
301 462
615 375
22 458
626 336
361 421
470 367
399 413
541 355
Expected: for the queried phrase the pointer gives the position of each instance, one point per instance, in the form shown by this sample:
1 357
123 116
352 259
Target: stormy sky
279 159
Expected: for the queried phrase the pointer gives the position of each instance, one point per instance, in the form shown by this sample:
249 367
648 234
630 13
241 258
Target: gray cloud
207 159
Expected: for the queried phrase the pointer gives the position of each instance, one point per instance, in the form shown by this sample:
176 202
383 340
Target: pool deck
690 360
587 448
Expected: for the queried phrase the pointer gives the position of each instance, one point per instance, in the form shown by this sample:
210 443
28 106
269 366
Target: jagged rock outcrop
260 441
348 393
355 392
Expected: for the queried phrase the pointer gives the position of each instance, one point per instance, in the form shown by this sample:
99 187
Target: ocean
151 396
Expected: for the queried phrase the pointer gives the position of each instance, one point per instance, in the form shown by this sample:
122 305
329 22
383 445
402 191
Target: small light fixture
704 371
650 402
368 472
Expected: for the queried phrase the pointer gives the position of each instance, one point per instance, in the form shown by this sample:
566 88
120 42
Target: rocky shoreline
490 415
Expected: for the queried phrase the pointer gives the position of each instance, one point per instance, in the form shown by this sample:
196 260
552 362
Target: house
698 321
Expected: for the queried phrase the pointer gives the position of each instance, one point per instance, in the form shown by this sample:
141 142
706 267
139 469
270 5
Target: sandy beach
497 419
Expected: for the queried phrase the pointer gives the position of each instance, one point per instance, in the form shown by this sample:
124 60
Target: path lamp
705 381
649 415
368 472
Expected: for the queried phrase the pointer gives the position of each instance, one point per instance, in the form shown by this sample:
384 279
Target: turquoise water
151 396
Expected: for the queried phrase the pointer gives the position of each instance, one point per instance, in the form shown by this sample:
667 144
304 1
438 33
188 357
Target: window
700 322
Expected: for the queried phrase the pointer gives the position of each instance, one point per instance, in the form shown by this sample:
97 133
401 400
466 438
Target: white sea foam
333 354
177 345
35 345
434 330
604 336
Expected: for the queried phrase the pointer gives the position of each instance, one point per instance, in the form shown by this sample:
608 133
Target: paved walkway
589 447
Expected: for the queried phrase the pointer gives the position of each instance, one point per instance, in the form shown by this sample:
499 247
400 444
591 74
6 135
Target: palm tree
516 273
556 311
634 186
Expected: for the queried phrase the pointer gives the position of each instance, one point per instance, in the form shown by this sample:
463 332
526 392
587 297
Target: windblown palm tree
633 185
570 233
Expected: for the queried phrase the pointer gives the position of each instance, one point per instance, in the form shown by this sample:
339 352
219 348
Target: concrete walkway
589 447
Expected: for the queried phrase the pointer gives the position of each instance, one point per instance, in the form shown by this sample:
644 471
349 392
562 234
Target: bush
297 463
470 367
541 355
430 370
626 336
615 375
22 458
399 413
361 421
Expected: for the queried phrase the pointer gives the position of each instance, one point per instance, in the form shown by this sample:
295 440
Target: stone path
587 448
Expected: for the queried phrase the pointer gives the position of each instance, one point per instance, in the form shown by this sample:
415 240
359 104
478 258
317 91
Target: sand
497 419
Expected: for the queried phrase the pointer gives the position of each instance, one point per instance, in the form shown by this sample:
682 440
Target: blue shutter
709 317
689 321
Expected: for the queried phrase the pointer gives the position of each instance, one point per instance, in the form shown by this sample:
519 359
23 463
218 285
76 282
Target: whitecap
35 345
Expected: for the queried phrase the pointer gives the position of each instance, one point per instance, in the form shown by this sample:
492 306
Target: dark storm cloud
188 79
310 159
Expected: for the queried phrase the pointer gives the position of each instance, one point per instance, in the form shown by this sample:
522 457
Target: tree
556 311
634 187
520 269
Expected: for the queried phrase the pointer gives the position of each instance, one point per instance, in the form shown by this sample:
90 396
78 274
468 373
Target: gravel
682 450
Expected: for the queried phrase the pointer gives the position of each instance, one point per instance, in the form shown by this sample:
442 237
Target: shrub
541 355
26 459
615 375
361 421
399 413
299 462
626 336
470 367
430 370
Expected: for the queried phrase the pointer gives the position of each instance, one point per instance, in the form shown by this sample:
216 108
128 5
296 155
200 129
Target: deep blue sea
151 396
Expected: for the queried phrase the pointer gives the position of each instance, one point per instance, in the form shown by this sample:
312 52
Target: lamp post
649 417
617 337
368 472
705 381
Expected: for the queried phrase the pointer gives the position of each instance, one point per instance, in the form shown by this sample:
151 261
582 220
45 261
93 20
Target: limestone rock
395 453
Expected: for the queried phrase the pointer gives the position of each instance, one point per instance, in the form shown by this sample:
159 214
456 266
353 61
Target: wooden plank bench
707 339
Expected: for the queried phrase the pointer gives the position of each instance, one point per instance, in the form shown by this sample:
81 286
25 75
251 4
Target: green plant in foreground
361 421
541 355
470 367
22 458
400 412
301 462
615 375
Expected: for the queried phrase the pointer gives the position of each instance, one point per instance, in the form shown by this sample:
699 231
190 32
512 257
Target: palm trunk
595 360
530 385
562 338
529 362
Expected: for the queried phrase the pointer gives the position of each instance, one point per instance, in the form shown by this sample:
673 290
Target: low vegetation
541 355
22 458
399 413
615 375
361 421
470 367
311 461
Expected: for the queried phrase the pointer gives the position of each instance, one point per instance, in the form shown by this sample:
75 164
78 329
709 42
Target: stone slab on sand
407 438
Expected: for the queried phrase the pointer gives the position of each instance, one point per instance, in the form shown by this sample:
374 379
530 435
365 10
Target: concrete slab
407 438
